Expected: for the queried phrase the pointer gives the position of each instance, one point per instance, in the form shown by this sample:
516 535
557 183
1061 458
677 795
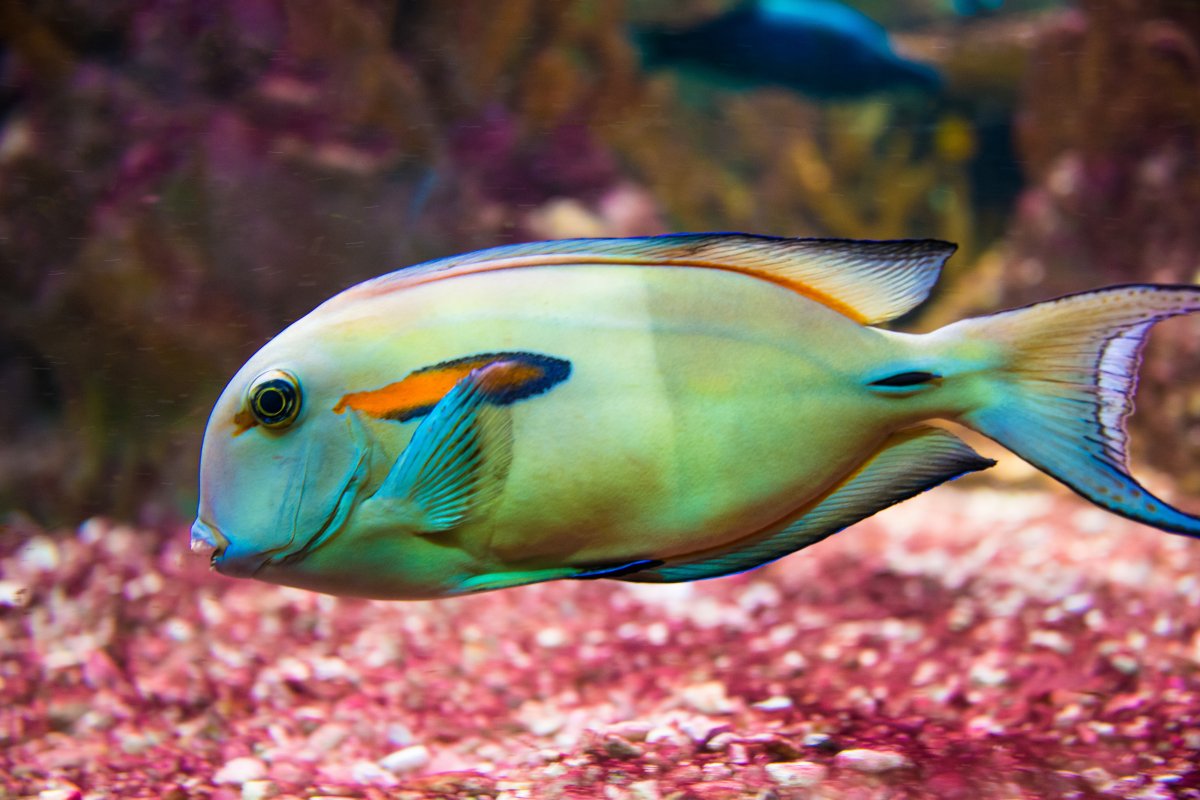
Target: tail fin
1063 388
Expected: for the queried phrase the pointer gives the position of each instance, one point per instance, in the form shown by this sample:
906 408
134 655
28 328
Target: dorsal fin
868 281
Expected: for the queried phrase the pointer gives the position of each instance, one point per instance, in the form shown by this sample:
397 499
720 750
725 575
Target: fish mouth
207 541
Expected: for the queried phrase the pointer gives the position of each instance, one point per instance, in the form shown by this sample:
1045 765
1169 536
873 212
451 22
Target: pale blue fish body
662 409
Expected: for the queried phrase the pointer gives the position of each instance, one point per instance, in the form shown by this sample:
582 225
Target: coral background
178 181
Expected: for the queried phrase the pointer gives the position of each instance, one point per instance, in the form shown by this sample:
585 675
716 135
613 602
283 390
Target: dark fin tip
906 379
617 570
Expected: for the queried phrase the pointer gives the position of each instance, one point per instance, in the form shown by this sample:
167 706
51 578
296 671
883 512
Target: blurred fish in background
820 48
971 8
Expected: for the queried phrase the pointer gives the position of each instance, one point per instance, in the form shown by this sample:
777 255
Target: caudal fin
1061 385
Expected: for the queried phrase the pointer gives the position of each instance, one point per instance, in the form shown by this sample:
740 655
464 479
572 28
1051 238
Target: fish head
280 472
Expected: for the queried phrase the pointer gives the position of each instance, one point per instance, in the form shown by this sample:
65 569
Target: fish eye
274 398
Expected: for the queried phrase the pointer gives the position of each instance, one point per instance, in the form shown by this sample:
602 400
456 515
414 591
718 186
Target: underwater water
179 182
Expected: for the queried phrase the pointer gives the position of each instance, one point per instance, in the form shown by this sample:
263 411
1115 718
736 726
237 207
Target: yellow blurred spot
955 139
810 168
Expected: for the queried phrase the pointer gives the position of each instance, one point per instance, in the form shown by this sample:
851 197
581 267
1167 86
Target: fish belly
702 405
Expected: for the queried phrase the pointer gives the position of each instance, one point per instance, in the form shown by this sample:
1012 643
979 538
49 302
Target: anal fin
507 580
617 570
910 461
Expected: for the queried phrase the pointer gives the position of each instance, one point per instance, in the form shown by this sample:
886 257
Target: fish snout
225 558
207 541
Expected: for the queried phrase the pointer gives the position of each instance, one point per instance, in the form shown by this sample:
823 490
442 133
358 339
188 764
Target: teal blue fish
820 48
660 409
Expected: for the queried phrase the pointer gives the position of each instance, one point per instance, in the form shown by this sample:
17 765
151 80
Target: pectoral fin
456 461
910 462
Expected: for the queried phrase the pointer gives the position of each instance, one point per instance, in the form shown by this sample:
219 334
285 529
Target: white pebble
644 790
720 742
1052 640
59 794
406 759
795 661
1125 664
776 703
708 698
759 595
369 772
40 553
633 730
1077 603
240 770
259 790
14 595
178 630
92 530
398 735
716 771
665 733
797 773
328 737
551 637
698 729
985 675
332 668
293 669
872 761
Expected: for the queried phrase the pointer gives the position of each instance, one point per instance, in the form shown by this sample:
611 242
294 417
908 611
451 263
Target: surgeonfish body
661 409
821 48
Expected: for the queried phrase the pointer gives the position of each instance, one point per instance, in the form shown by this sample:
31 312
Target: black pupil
273 401
270 402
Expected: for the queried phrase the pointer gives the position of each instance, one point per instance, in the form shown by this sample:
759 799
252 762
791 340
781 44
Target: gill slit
338 517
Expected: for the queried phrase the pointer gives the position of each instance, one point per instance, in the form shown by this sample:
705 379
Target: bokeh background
178 181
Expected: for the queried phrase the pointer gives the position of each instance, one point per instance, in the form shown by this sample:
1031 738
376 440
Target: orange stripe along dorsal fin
868 281
518 376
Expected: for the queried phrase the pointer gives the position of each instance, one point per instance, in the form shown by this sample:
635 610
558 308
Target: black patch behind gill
405 414
553 371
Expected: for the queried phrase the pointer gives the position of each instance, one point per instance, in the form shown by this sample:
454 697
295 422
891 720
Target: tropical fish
655 409
970 8
821 48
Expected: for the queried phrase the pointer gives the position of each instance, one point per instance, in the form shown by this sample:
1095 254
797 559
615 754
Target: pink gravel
968 644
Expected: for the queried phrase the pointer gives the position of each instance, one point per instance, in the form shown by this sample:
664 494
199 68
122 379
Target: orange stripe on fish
244 421
517 376
416 278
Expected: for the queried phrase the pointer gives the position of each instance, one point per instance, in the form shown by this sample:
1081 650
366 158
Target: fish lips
224 557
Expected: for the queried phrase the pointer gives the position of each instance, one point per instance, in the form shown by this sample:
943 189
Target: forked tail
1060 386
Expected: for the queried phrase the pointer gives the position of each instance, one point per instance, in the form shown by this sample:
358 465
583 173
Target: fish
970 8
820 48
653 410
